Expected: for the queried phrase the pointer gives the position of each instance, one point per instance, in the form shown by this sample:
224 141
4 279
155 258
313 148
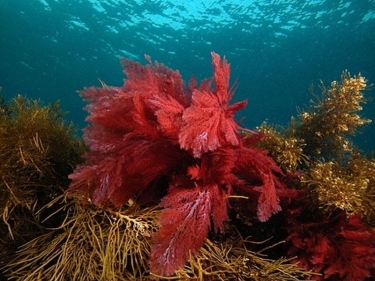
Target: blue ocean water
49 49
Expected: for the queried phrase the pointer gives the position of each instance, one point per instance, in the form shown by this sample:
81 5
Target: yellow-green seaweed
38 151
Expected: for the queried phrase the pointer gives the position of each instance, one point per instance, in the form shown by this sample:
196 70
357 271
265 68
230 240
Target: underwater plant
337 247
153 136
333 117
90 244
38 151
232 260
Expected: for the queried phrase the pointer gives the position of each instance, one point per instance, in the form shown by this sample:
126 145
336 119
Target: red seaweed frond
254 164
152 133
185 221
208 123
338 247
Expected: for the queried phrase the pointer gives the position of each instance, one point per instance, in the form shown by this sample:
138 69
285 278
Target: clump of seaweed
333 117
91 244
339 176
153 136
283 145
232 260
349 187
321 131
37 152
